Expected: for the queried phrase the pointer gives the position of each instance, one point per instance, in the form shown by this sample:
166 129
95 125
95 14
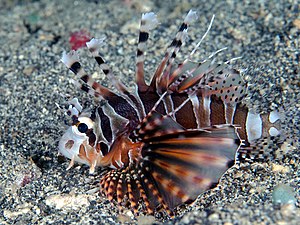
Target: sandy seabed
35 188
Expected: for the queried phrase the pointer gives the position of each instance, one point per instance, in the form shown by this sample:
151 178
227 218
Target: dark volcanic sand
36 189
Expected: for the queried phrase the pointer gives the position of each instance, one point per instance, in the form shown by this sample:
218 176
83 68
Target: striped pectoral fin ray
185 164
173 168
71 60
130 185
149 21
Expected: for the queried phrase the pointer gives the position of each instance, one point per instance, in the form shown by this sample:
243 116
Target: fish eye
82 127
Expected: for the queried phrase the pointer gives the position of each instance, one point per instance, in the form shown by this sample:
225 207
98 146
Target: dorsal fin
159 80
148 22
211 78
132 98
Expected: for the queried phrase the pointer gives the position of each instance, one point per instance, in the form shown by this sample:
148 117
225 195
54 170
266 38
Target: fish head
78 143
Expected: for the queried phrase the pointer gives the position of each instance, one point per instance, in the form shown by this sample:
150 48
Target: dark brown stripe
239 119
174 43
85 88
124 109
99 60
105 125
105 72
75 67
179 43
92 137
217 111
143 36
85 78
181 116
183 27
139 52
104 148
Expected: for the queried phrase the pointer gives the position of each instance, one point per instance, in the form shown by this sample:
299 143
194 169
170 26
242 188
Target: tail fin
272 136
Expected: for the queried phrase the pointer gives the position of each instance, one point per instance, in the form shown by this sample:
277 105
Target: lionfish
170 140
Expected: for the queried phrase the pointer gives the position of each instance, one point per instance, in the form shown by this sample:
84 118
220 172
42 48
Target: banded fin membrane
174 166
185 164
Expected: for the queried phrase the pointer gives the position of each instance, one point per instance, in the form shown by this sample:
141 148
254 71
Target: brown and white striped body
169 141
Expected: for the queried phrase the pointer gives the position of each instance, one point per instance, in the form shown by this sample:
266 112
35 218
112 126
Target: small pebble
296 23
279 168
145 220
67 201
283 194
123 218
28 70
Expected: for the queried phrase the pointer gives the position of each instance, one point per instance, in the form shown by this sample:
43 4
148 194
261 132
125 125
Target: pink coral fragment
78 39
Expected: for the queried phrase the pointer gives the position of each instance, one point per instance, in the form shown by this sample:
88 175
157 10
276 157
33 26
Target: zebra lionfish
170 140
